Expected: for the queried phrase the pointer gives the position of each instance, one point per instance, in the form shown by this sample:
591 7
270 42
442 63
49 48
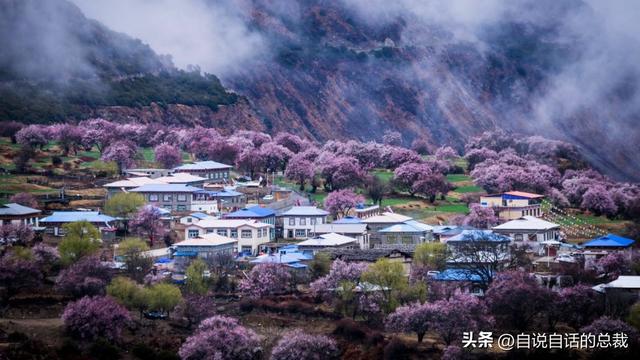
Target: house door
290 233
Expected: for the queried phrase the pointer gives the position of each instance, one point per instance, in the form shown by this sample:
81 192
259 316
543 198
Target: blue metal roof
252 212
348 220
173 188
610 240
457 275
199 215
223 193
73 216
479 235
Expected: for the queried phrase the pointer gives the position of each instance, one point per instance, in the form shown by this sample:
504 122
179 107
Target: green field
384 175
468 189
458 178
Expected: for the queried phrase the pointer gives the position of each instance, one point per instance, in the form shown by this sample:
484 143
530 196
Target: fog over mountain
439 70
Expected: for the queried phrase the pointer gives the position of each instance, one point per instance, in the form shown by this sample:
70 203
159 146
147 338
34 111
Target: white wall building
299 221
249 233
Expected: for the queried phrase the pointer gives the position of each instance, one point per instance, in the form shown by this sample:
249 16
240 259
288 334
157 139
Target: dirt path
48 330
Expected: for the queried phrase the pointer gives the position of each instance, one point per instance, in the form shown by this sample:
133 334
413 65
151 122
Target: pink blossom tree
421 146
32 136
408 174
446 153
599 200
290 141
394 156
516 299
92 317
99 133
16 234
148 222
476 156
222 150
341 172
255 137
122 152
340 202
18 272
196 308
607 325
300 170
296 344
168 155
579 305
480 217
613 265
391 137
221 337
250 161
274 156
430 185
266 279
69 136
10 129
340 271
411 318
24 199
88 276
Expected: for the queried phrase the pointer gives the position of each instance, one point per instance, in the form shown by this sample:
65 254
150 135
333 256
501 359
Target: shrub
104 350
396 350
92 317
221 337
86 277
296 345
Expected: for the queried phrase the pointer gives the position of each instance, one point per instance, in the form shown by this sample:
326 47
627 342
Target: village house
358 231
206 246
604 245
127 185
17 214
410 232
299 221
328 241
213 171
514 204
257 213
372 255
458 280
529 228
53 223
473 247
249 233
363 211
148 172
172 197
379 222
194 218
183 178
216 201
620 293
289 255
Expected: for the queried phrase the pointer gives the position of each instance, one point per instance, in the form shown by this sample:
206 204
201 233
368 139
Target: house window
166 197
518 237
303 221
301 233
226 175
292 221
246 234
182 197
182 208
259 233
234 233
246 249
313 221
168 207
189 220
222 232
153 197
193 234
209 231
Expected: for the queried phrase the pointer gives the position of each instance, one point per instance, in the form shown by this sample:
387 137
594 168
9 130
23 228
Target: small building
609 242
290 256
173 197
410 232
206 246
348 220
529 228
299 221
478 247
439 230
126 185
514 204
358 231
213 171
249 233
460 279
216 201
328 241
363 211
148 172
257 213
17 214
194 218
53 223
379 222
620 293
372 255
183 178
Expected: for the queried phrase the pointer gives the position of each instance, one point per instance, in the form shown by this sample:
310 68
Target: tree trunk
420 336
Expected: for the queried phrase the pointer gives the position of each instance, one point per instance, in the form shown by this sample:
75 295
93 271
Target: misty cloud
213 35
